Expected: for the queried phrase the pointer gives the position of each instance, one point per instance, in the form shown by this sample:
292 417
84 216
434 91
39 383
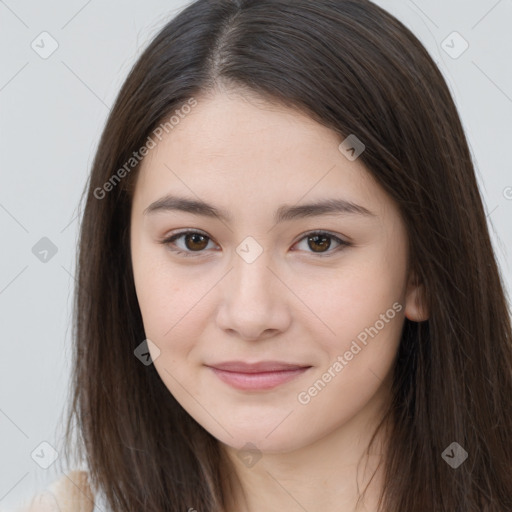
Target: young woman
287 294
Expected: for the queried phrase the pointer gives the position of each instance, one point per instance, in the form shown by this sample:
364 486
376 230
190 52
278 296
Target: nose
254 301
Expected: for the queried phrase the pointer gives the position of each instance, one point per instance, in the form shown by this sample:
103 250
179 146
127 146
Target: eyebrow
282 214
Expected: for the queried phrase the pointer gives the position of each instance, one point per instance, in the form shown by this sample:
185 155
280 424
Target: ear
415 307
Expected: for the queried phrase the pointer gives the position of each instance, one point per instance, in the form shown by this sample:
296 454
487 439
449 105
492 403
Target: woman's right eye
194 239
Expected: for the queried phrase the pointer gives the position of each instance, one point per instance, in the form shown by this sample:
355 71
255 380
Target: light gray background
52 114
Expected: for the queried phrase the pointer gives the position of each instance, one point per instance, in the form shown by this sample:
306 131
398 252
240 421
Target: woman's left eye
320 239
195 241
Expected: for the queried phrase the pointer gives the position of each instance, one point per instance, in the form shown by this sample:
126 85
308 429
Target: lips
260 376
261 367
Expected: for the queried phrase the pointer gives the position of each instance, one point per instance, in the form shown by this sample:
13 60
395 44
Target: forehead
232 149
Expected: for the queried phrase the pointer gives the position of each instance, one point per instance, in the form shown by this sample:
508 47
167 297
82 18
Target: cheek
166 309
351 299
361 312
165 299
357 361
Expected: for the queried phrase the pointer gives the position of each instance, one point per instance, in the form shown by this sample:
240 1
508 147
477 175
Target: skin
249 157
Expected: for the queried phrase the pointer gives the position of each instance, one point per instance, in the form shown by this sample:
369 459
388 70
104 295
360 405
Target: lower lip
258 381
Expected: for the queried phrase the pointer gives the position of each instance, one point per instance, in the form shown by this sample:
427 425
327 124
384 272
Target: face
317 295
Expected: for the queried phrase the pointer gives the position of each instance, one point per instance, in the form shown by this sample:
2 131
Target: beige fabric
70 493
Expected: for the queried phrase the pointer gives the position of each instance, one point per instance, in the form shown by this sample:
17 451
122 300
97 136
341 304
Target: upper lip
263 366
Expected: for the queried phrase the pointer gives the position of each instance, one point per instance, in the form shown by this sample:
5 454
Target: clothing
69 493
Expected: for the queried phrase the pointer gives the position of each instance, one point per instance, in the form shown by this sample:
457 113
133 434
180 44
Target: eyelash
170 241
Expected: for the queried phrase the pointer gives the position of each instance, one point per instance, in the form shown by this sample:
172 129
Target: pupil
315 239
194 237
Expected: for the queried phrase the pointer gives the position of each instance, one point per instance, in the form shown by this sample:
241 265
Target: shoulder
69 493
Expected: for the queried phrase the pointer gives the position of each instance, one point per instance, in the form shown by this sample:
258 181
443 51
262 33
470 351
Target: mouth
257 376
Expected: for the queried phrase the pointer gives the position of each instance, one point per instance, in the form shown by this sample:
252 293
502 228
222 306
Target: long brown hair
356 69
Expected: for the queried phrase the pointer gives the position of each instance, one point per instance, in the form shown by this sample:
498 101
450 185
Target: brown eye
192 241
195 241
319 243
